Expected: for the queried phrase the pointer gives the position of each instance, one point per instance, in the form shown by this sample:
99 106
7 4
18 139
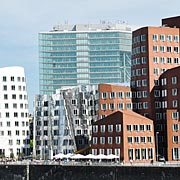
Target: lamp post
157 146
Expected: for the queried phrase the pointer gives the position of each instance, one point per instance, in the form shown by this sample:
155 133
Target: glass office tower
71 55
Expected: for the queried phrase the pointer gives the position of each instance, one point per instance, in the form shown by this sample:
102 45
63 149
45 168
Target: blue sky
22 20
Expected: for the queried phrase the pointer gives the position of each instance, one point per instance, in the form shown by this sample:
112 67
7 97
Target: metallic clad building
71 55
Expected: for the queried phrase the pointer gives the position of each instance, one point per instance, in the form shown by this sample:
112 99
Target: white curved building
14 122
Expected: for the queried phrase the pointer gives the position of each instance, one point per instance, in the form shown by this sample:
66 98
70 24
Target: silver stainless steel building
62 121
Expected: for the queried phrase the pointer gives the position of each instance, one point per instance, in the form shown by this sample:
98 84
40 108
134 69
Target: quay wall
59 172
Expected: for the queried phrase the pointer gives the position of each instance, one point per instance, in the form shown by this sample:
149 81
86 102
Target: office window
162 37
175 153
110 128
144 60
174 80
13 96
5 88
149 139
175 115
102 127
6 105
128 106
148 127
155 37
95 128
118 140
7 114
103 106
143 37
174 92
130 140
135 127
162 48
145 105
120 94
155 60
12 78
111 106
120 106
156 71
150 153
176 60
4 79
175 139
176 49
176 38
142 127
118 127
94 140
155 48
143 139
129 128
17 132
5 96
174 103
102 140
143 49
137 154
73 101
169 49
136 139
175 127
128 95
169 38
162 60
143 154
144 71
104 95
112 95
169 60
110 140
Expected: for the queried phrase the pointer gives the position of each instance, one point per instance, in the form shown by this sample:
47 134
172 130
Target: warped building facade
62 121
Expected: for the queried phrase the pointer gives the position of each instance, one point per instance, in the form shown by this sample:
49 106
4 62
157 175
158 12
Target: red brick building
126 134
154 81
113 98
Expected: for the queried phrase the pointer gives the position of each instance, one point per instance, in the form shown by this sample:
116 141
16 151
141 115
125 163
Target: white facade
14 122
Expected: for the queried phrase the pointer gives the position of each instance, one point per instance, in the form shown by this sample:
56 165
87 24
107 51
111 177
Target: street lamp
157 146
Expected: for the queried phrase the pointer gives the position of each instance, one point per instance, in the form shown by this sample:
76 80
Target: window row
107 140
120 106
163 49
14 96
107 151
16 123
113 95
137 127
138 39
18 142
15 106
107 128
167 38
138 139
17 133
13 88
140 94
165 60
141 105
139 72
16 114
139 83
12 78
141 154
136 61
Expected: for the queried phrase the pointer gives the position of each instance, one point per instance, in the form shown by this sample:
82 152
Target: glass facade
70 58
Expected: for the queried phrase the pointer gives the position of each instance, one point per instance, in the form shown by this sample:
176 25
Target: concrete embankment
58 172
